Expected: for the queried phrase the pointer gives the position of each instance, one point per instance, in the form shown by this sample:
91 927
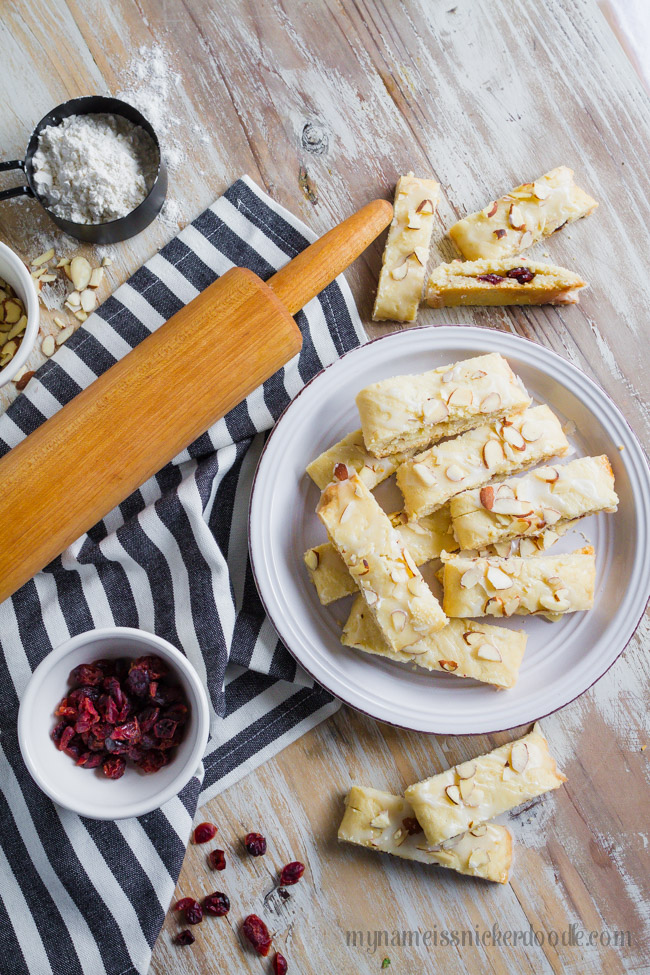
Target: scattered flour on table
94 168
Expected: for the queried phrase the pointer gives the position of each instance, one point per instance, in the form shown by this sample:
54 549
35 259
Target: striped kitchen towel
80 896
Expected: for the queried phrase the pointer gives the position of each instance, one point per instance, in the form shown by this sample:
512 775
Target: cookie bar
431 478
491 654
548 585
406 253
352 452
425 540
473 792
411 412
506 281
384 822
547 497
374 552
523 216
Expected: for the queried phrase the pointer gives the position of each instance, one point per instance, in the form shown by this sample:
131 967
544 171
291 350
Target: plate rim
449 329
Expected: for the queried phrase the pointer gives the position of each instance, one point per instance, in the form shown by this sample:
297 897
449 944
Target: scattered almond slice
466 770
44 258
48 346
519 756
88 299
46 278
64 335
81 315
74 298
453 793
492 453
80 271
96 277
487 652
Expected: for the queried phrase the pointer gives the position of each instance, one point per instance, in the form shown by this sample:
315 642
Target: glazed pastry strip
411 412
407 249
548 497
508 281
383 822
430 479
465 648
389 580
475 791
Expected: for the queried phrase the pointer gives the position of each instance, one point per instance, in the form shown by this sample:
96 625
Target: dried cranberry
66 738
116 747
280 966
411 825
89 674
185 937
194 913
148 718
77 696
217 904
127 732
255 844
56 732
490 278
114 767
90 759
521 274
164 728
183 903
154 667
153 761
256 931
291 873
178 713
137 683
204 832
87 716
217 859
66 709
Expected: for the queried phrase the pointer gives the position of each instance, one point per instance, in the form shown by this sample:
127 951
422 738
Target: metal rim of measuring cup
95 233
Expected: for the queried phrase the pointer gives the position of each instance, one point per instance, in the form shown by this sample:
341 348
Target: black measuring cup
95 233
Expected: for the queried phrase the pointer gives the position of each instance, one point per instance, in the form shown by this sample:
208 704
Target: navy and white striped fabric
88 897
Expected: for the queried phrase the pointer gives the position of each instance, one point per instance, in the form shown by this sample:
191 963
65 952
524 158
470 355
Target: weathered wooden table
324 103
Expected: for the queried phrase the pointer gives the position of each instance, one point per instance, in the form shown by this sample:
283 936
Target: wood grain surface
324 103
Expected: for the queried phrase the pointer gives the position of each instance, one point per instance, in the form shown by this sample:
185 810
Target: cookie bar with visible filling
384 822
475 791
406 253
428 480
523 216
547 497
412 412
425 540
465 648
507 281
550 585
374 552
352 452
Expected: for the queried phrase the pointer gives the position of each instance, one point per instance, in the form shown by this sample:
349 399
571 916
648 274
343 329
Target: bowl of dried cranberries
113 723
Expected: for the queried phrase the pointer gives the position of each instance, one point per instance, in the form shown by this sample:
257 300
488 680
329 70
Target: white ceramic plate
562 659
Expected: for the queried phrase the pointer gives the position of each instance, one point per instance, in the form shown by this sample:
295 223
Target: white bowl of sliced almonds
19 314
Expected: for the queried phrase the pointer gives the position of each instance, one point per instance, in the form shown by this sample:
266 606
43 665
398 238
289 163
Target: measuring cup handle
15 190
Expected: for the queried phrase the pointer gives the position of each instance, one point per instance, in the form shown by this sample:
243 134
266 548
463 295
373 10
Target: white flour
94 168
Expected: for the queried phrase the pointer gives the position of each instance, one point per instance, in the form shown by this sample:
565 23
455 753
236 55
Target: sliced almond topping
347 513
493 454
47 345
491 209
398 619
381 820
64 335
511 506
466 787
454 473
312 559
399 836
516 218
479 830
408 558
453 793
466 770
461 396
414 222
472 637
497 578
541 190
424 474
425 207
531 431
512 436
371 597
526 240
414 586
511 605
504 491
478 859
479 375
434 410
400 272
490 403
398 574
527 548
470 578
448 376
44 258
488 652
341 472
421 255
519 756
486 494
551 515
449 665
364 568
494 606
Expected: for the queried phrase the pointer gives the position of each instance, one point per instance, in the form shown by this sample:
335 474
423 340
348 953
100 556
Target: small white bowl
85 791
16 274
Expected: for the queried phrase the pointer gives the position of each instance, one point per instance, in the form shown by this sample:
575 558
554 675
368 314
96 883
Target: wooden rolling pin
99 448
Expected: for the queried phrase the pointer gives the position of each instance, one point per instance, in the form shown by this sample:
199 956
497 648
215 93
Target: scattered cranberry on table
257 933
204 832
121 709
185 937
255 844
279 964
191 909
217 859
217 904
291 873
